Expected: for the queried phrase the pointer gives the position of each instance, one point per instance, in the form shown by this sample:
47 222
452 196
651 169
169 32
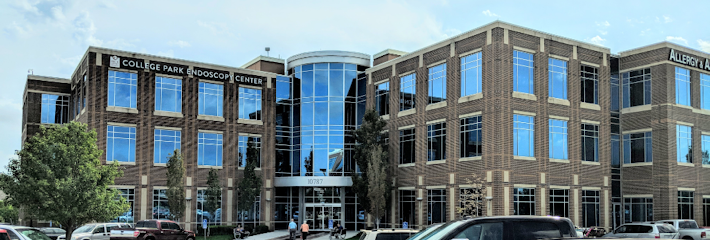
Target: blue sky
51 36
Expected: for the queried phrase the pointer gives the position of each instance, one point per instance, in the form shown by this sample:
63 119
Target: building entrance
320 215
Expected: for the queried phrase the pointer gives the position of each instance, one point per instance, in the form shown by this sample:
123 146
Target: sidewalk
278 234
326 237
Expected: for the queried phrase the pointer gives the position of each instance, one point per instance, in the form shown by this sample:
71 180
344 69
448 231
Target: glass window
524 134
682 86
523 201
160 204
122 89
590 84
166 141
407 207
408 90
558 139
249 103
437 83
485 231
706 211
614 92
168 94
243 144
638 209
382 96
590 142
436 141
559 202
121 144
209 152
558 78
685 204
129 195
523 72
590 208
471 137
706 149
638 147
55 109
436 200
636 87
684 144
406 146
212 217
84 92
211 99
704 91
471 75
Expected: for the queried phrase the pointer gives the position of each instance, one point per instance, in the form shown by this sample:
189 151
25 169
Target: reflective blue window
615 92
706 149
682 86
283 88
168 94
437 83
209 149
436 141
557 75
211 99
705 91
166 142
249 103
122 89
243 144
471 137
590 142
382 96
590 85
684 144
55 109
638 147
408 90
558 139
406 146
121 144
471 74
523 73
636 87
524 135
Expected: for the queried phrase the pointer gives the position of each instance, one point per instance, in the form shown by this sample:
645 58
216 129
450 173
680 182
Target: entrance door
320 215
617 214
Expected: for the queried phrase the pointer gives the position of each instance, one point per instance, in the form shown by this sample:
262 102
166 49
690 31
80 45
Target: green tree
176 187
8 213
213 194
250 185
59 177
377 179
367 136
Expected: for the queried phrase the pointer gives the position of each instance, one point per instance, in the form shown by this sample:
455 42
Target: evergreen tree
250 185
368 136
59 176
176 186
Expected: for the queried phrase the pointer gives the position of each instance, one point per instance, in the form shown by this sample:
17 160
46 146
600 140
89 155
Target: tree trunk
69 228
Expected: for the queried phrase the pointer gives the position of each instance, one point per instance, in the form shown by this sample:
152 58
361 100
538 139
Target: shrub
262 229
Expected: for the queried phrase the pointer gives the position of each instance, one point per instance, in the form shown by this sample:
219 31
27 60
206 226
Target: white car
644 230
95 231
393 234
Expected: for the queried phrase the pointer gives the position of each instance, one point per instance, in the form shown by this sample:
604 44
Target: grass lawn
217 237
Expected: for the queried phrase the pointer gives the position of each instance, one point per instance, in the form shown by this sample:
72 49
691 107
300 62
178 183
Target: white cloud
644 32
84 30
179 43
489 13
633 22
168 53
598 40
602 32
667 19
603 24
677 39
704 45
18 31
57 13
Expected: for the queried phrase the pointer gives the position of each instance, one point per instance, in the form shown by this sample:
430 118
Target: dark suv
499 228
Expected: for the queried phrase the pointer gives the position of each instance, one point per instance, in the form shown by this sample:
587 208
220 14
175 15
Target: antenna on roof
30 72
267 51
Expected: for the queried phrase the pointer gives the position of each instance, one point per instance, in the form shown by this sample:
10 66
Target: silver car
95 231
24 233
644 230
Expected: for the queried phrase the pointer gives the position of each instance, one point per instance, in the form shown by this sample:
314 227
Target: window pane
249 103
407 90
121 144
168 94
209 149
558 139
166 142
682 86
122 89
557 74
471 74
523 72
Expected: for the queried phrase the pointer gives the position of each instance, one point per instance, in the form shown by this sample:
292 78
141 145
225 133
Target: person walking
304 230
292 228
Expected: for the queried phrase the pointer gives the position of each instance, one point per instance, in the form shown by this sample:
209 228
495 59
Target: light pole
420 212
488 205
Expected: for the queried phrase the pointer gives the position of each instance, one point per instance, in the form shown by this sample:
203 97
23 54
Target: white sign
115 62
307 181
689 60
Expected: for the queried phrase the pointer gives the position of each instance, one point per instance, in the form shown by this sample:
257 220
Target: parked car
4 235
644 230
152 230
687 229
508 227
95 231
425 231
53 232
389 234
24 233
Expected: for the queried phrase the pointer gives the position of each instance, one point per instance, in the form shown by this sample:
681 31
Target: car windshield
84 229
33 234
439 232
424 232
687 225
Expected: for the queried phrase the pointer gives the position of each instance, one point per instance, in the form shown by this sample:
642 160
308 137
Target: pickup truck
152 230
688 229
